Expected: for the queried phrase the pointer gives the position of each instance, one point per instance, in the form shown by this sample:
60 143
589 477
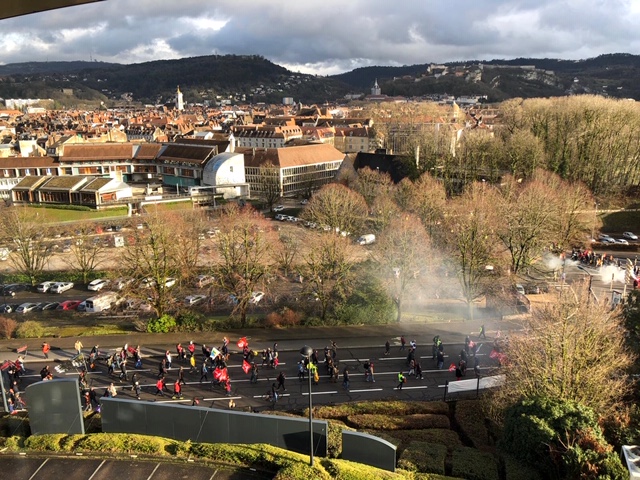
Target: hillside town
92 158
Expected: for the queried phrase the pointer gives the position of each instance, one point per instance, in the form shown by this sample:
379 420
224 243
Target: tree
269 184
190 228
371 184
571 350
338 207
426 197
88 251
561 438
470 238
402 253
151 258
327 267
32 251
527 212
244 247
287 254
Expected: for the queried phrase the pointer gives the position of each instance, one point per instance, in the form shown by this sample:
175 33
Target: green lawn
59 215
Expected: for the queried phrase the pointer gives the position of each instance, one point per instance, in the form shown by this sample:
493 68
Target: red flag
494 354
221 374
246 366
243 342
217 374
452 367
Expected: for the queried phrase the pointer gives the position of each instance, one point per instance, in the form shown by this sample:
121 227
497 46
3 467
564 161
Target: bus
101 302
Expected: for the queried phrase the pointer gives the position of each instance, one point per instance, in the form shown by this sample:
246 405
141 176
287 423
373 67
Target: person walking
167 356
177 390
160 385
403 342
440 359
254 373
204 370
123 371
419 371
134 379
181 376
387 348
136 388
112 390
78 346
281 378
192 364
401 380
482 332
371 378
45 350
345 378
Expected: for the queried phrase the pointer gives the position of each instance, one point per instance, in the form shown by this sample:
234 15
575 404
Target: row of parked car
40 307
627 237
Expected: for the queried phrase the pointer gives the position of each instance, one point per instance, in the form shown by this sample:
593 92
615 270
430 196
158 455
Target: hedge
15 425
472 422
514 469
392 422
472 464
396 408
402 439
424 457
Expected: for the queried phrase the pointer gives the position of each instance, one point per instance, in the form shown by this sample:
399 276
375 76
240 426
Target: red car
69 305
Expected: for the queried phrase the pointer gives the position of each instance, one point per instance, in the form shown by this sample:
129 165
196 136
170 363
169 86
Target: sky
325 37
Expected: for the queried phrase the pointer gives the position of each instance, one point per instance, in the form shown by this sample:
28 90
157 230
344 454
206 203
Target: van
519 288
367 239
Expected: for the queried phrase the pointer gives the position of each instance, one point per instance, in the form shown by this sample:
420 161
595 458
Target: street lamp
306 352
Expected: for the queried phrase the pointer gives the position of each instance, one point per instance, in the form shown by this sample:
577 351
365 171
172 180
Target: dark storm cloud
326 36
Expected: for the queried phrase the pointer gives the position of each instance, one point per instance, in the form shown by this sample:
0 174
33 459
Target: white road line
306 394
279 395
367 390
154 471
412 388
36 472
96 470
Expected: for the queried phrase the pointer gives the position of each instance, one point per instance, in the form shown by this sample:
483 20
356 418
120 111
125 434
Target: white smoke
611 273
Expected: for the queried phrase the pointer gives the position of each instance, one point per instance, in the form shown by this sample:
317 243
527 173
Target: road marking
154 471
367 390
96 470
319 393
279 395
411 388
36 472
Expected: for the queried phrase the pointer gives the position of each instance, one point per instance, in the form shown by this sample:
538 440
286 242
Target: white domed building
226 171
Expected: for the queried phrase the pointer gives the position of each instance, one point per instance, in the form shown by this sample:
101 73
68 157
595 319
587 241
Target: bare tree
269 184
23 230
402 254
88 250
286 255
244 246
190 238
371 184
570 350
426 199
338 207
470 240
327 267
153 257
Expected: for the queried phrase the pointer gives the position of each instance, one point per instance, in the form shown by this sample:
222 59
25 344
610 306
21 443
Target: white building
226 171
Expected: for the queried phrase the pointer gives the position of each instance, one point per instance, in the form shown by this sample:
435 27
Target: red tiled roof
291 156
97 152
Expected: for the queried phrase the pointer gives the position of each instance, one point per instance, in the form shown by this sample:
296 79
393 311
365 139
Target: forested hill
251 79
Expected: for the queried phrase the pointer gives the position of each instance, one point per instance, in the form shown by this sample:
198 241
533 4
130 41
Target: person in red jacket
45 349
160 387
177 390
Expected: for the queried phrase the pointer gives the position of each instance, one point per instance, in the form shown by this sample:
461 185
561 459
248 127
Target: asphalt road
250 396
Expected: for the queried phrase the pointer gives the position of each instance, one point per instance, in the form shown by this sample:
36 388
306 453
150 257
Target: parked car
6 308
630 236
120 283
532 289
11 290
150 282
621 241
69 305
304 201
82 306
44 286
97 285
519 288
26 307
193 299
203 280
256 297
278 208
47 306
60 287
604 238
281 217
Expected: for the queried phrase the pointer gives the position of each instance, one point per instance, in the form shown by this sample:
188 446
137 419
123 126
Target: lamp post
306 352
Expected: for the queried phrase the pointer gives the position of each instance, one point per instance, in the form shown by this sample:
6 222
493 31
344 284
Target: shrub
123 443
288 318
274 319
45 443
472 464
424 457
514 469
472 422
13 443
15 425
30 329
346 470
406 422
165 324
402 438
7 327
188 322
396 408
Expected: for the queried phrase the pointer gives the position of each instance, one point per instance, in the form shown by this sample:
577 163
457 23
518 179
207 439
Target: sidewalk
290 339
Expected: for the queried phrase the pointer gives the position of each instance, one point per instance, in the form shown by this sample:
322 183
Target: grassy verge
51 214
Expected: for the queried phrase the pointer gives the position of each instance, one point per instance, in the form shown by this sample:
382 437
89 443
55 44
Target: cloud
326 36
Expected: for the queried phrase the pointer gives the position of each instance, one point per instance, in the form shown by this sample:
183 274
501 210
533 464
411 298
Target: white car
630 236
60 287
203 280
97 285
278 208
193 299
120 283
604 238
44 287
281 217
26 307
621 241
256 297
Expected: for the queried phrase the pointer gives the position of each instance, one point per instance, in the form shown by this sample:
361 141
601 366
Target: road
250 396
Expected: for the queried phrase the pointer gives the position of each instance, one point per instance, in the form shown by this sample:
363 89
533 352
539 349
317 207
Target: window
231 169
